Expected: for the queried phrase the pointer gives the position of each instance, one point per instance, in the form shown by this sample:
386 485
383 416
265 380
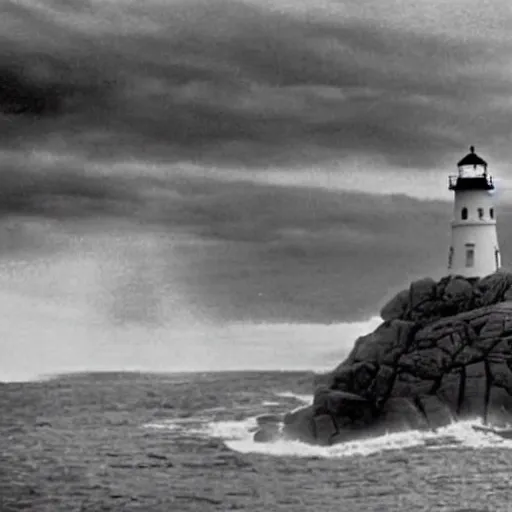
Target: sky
288 159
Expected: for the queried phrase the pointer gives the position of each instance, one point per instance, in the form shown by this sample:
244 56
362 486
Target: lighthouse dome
472 159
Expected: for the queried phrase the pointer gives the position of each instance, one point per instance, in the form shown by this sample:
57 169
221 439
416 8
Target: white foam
306 399
238 437
162 426
231 430
468 437
182 426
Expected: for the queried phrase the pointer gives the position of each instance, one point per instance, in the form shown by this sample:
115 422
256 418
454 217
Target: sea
123 415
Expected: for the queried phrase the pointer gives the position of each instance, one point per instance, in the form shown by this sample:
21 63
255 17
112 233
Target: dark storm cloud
247 212
265 252
62 191
156 109
231 82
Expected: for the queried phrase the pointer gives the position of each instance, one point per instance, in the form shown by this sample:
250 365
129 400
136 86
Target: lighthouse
474 250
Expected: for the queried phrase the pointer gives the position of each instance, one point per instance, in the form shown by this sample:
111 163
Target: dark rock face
442 353
266 434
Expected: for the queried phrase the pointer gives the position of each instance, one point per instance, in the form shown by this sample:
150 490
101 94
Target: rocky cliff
443 352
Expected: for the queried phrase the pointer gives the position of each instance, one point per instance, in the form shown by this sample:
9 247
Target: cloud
243 83
297 254
237 250
243 132
40 184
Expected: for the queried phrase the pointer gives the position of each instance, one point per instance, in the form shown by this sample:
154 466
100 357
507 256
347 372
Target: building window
491 213
470 255
464 213
480 213
497 258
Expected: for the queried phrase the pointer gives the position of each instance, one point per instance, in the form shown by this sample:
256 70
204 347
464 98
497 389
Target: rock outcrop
442 353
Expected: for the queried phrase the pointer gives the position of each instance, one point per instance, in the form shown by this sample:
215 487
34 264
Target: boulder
267 434
442 353
269 419
492 289
335 401
325 429
343 407
427 300
436 411
396 307
298 425
421 292
458 291
408 384
387 342
400 414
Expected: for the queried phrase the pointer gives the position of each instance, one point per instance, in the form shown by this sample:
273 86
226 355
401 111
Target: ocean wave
238 436
305 399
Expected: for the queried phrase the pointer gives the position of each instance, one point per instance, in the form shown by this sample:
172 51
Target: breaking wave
306 399
238 436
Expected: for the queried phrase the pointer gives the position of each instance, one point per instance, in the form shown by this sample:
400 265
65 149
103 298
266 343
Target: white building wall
472 200
474 233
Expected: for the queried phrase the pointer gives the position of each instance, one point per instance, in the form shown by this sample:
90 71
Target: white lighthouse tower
474 250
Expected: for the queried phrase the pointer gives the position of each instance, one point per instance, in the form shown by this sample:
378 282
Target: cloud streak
243 83
237 137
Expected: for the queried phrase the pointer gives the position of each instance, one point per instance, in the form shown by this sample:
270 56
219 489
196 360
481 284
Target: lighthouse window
491 213
470 255
480 213
464 213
